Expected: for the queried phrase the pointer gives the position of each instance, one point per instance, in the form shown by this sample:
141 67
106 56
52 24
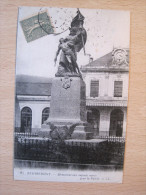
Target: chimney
90 59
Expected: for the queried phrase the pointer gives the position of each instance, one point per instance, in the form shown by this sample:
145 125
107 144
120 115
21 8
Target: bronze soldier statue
69 47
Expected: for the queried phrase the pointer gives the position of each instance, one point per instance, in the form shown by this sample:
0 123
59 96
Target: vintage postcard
72 74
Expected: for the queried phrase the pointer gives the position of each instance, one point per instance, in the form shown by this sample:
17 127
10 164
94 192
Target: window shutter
118 88
94 89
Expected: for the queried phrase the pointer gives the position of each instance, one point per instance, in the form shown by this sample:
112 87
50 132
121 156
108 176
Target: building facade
32 104
107 93
106 97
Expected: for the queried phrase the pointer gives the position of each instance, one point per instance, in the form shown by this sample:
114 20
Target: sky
106 29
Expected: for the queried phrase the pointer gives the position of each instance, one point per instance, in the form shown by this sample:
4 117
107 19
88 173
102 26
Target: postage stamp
37 26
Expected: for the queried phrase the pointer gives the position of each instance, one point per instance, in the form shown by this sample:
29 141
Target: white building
107 93
32 103
106 97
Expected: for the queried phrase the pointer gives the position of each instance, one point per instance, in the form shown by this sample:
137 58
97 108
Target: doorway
93 117
116 123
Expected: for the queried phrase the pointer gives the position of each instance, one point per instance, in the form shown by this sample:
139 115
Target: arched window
116 123
45 114
26 120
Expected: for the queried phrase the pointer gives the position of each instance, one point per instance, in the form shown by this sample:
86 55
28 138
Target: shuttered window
118 88
94 88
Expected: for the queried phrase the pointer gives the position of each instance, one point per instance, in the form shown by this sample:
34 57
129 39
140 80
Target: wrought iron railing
20 134
112 138
99 153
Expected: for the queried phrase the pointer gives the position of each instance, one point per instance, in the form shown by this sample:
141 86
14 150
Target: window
118 87
94 89
26 120
45 114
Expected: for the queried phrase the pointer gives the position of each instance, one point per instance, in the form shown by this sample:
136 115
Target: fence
113 138
103 153
17 134
108 138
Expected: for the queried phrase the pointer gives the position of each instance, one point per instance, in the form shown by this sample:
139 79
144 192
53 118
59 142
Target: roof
105 63
104 60
37 86
23 88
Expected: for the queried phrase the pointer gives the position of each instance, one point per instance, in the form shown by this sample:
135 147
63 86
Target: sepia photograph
71 94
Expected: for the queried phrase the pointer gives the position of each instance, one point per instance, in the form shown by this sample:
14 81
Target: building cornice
124 69
33 98
110 103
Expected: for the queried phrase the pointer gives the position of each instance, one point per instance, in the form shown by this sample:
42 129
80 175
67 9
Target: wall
106 84
104 119
134 166
106 92
37 107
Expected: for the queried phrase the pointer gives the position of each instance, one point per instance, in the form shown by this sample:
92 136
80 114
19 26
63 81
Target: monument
68 94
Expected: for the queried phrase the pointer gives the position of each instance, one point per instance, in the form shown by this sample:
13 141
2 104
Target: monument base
65 130
81 135
44 132
67 119
82 132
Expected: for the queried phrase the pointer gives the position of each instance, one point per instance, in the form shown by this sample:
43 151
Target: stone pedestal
68 106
